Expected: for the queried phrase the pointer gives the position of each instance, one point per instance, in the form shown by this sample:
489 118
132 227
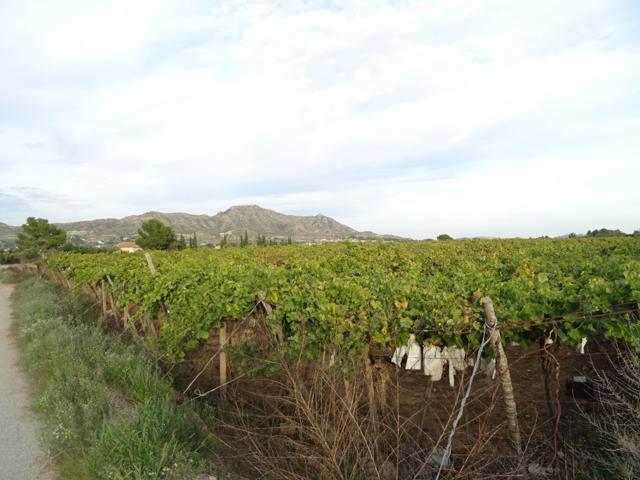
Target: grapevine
348 296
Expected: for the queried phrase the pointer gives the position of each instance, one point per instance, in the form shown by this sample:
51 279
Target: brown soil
483 416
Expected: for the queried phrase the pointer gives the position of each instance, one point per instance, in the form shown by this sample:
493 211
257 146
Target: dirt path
21 457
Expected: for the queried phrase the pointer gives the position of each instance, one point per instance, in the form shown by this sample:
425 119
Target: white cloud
526 196
372 112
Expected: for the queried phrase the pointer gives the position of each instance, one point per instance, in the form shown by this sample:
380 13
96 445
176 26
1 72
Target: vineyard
349 296
318 325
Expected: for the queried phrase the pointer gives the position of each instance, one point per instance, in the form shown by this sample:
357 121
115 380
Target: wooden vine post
103 294
112 300
152 267
223 354
548 368
502 365
371 393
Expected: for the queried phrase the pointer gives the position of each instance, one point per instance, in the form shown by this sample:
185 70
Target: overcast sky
414 118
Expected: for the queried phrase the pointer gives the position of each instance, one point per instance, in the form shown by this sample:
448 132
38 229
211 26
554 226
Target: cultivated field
296 344
350 296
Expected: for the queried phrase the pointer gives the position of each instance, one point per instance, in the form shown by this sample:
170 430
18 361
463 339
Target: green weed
109 410
7 276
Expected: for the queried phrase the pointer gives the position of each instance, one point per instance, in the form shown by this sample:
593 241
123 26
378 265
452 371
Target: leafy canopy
38 236
347 296
155 235
605 232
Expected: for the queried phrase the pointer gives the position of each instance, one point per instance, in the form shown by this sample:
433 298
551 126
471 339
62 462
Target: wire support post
502 364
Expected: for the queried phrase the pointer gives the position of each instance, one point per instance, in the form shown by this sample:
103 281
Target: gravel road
21 457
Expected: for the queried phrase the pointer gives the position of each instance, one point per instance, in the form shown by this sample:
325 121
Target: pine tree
155 235
289 241
39 236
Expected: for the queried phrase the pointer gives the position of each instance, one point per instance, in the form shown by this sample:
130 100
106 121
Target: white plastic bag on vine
581 345
414 354
432 362
455 357
398 355
488 367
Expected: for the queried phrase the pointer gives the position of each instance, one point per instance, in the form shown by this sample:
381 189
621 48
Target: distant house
129 247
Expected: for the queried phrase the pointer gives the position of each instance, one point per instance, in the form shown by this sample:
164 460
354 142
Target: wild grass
7 276
109 411
617 424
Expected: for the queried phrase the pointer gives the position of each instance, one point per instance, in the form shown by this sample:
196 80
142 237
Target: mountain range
232 222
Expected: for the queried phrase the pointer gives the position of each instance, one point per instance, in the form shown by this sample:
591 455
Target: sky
472 118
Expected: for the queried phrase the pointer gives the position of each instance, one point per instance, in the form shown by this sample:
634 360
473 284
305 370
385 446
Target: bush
8 257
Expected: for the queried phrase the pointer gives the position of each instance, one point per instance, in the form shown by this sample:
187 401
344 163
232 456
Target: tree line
155 235
38 236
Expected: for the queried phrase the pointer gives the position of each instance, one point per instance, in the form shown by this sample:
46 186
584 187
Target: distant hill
8 235
233 222
7 231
